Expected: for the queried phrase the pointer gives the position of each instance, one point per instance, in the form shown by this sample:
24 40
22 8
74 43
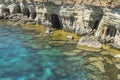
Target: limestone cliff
71 15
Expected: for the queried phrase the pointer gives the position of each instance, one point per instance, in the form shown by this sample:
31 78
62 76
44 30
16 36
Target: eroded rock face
14 8
81 19
109 28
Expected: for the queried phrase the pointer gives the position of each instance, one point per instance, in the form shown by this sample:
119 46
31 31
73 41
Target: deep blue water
19 60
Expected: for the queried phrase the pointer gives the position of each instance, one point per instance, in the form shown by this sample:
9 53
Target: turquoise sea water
19 61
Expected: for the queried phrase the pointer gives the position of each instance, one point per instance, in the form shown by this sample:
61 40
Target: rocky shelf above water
102 24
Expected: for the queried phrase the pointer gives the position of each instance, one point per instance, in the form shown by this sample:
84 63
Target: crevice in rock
111 31
33 15
72 19
95 24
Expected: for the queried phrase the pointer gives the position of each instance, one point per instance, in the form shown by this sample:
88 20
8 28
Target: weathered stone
47 31
37 20
69 36
116 60
104 52
2 6
117 65
118 76
116 43
14 8
70 53
117 56
90 42
108 60
108 28
77 51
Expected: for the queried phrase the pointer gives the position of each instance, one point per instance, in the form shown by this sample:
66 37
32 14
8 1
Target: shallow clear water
20 60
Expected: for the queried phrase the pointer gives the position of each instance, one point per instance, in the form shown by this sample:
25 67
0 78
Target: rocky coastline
88 27
94 21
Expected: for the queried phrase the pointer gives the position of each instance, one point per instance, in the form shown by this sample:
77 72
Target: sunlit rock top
104 3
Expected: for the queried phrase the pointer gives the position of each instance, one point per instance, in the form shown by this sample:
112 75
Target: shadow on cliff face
111 31
56 21
94 25
17 9
26 11
6 10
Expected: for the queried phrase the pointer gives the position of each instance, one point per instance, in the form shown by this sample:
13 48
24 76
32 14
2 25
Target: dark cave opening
17 9
111 31
5 10
72 19
56 21
26 11
33 15
94 25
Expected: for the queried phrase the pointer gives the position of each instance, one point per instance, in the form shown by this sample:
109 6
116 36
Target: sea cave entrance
55 21
17 9
111 30
26 12
94 25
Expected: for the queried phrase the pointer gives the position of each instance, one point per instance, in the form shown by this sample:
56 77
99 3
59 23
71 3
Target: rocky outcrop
108 29
90 42
80 19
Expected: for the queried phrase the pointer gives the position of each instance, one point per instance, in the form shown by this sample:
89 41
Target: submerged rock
70 53
116 43
99 65
94 59
117 65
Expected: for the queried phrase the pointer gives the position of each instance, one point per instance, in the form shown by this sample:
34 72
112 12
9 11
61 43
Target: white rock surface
90 42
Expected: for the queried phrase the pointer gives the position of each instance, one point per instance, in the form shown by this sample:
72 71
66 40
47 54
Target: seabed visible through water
19 60
23 56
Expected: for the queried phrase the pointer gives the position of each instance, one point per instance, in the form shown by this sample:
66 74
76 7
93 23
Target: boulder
89 41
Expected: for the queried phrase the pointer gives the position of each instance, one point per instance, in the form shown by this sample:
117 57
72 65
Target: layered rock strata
81 19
